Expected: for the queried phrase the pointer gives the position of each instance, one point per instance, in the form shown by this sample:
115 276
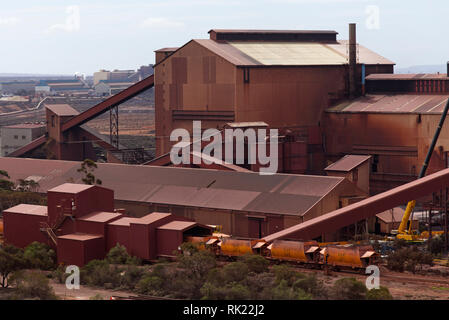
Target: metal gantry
113 126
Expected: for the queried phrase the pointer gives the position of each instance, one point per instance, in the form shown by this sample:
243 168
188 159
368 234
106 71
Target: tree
4 183
27 185
11 260
87 167
39 255
119 255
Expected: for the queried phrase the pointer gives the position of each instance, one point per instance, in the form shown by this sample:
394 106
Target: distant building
61 86
107 87
14 87
116 76
15 136
123 76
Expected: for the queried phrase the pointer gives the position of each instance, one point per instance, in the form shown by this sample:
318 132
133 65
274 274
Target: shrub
132 275
150 284
32 285
311 285
235 272
283 272
100 273
119 255
436 245
256 263
348 289
284 292
408 259
96 297
379 294
41 256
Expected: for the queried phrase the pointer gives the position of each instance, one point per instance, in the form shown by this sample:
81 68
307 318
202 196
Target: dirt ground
402 286
85 293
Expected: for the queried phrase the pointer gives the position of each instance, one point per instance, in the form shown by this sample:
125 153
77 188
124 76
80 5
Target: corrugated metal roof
178 225
279 193
348 163
259 53
410 76
365 55
100 216
80 237
290 53
392 215
227 52
71 188
62 109
394 103
29 209
255 31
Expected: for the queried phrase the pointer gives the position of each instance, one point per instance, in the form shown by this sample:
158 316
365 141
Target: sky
83 36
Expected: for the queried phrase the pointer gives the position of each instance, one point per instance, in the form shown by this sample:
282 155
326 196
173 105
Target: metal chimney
352 60
447 69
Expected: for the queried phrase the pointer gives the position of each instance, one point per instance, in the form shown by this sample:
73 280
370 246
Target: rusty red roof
80 236
71 188
172 49
348 163
101 216
152 217
392 215
280 193
180 225
29 209
62 109
126 221
394 103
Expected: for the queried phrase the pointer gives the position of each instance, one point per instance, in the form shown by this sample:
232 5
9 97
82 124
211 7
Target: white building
16 136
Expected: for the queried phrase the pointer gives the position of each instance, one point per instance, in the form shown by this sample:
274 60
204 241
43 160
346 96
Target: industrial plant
362 157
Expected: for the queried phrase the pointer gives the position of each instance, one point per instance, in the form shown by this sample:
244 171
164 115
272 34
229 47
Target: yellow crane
407 233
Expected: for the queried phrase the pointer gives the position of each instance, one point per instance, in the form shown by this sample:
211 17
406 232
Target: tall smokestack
352 60
447 69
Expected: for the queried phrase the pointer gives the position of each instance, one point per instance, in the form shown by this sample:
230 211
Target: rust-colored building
394 123
284 78
81 225
245 204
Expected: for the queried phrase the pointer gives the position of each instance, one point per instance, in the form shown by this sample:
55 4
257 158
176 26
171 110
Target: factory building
49 87
16 136
284 78
80 222
244 204
394 123
15 87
